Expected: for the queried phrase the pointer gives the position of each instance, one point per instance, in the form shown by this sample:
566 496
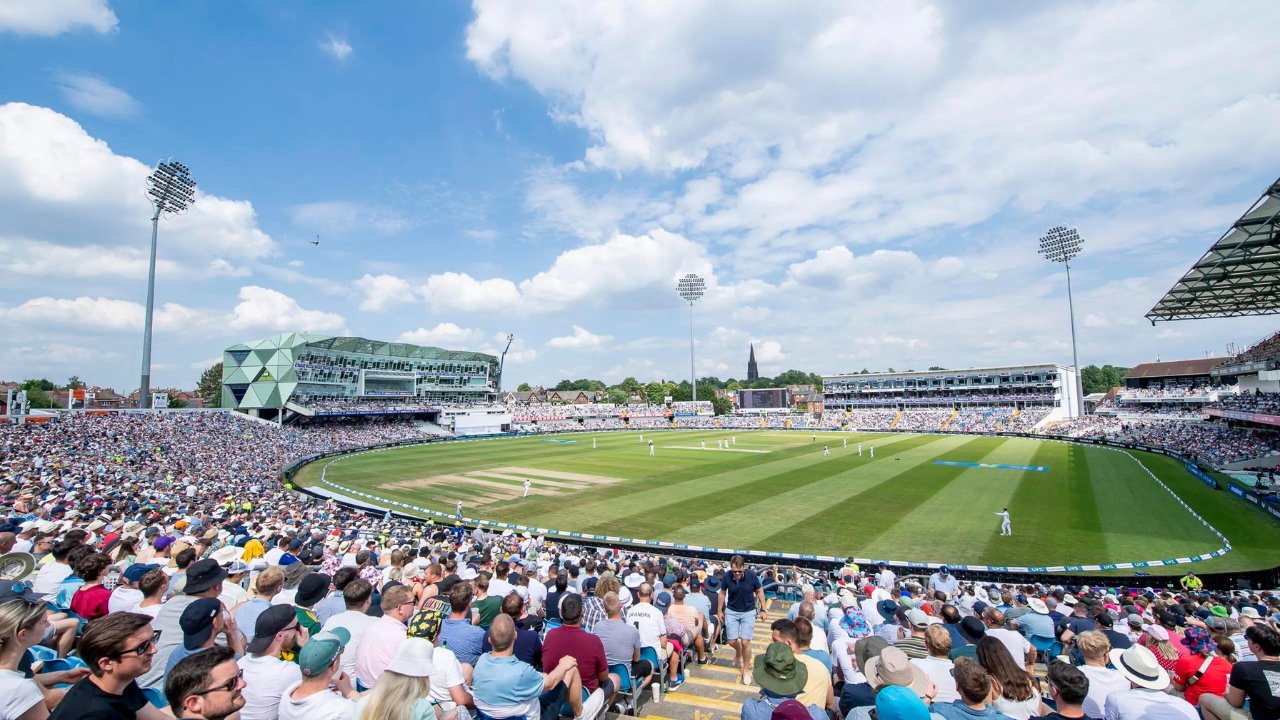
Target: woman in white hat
403 691
1156 639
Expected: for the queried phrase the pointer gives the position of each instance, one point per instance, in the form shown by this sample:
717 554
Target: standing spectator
118 649
312 698
937 665
1147 700
1102 680
740 597
356 595
943 581
1252 681
1068 687
266 674
1203 671
587 651
457 632
381 638
206 685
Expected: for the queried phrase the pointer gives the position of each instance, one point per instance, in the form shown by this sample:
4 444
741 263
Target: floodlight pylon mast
1060 244
691 287
170 189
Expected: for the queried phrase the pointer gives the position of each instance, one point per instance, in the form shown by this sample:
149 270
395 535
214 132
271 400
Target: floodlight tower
170 190
1059 245
691 287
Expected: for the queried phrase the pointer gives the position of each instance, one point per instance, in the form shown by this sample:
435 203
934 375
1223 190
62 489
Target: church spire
753 373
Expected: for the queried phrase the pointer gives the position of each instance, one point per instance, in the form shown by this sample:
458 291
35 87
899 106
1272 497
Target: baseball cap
321 650
271 621
135 571
163 542
197 621
917 618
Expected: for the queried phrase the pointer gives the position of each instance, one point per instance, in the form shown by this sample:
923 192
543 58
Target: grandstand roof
1175 368
1240 273
363 345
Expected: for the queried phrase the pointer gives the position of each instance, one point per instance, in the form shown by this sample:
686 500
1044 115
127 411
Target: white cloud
340 216
769 351
59 185
581 339
96 96
461 292
265 309
97 314
54 17
838 267
220 267
42 259
382 292
59 354
338 48
296 263
445 335
206 364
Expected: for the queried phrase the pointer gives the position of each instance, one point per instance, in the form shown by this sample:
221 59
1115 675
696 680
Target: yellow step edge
722 684
701 702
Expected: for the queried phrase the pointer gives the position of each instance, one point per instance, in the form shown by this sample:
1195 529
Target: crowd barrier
405 510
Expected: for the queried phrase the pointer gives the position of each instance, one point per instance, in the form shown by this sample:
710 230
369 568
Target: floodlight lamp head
691 287
170 187
1061 243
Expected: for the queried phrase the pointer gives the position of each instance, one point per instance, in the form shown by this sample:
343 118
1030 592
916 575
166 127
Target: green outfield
777 491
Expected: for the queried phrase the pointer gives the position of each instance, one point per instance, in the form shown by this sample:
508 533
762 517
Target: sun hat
134 572
971 629
1198 641
1068 599
202 575
893 667
224 556
293 574
867 648
1250 612
1037 606
1139 665
1219 610
790 709
413 658
1135 620
887 609
312 589
900 703
321 650
778 672
633 580
847 599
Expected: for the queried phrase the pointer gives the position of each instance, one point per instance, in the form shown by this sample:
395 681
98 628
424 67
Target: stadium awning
1239 275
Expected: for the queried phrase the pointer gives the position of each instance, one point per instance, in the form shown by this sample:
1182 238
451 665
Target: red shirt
90 602
583 646
1213 682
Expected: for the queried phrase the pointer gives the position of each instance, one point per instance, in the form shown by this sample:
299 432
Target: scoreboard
766 399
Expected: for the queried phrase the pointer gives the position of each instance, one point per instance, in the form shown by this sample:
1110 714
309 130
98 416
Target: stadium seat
648 653
628 697
155 697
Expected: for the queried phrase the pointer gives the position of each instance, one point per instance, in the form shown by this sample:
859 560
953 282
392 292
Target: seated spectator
622 643
23 622
1147 697
857 691
1201 672
202 622
382 637
689 616
652 626
1018 646
1250 681
205 685
781 677
91 599
404 690
266 586
1068 688
334 603
127 595
974 685
356 596
587 652
1103 680
1015 689
324 692
118 649
914 623
484 607
505 687
937 665
458 632
266 675
804 641
1036 623
528 646
972 631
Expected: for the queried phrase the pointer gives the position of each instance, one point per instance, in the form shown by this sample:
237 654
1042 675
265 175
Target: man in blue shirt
943 581
457 633
505 687
740 596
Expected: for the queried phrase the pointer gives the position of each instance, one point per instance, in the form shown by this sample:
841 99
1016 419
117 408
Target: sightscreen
770 398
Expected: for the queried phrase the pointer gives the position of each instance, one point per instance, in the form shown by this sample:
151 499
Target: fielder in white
593 443
846 443
735 439
859 449
873 451
704 444
650 448
1005 527
526 487
825 451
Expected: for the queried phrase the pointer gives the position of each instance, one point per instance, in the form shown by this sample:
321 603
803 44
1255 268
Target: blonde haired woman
403 692
21 626
1156 639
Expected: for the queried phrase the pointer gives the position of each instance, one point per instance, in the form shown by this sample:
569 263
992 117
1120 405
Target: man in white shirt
649 621
1147 700
937 666
126 596
498 585
1019 647
266 676
886 577
356 597
52 574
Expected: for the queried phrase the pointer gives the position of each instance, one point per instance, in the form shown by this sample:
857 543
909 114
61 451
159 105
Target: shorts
1220 708
640 670
739 625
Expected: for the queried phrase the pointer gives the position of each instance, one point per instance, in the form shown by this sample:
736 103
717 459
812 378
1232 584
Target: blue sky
862 184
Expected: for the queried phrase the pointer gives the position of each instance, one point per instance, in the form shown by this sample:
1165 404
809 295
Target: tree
711 381
935 367
630 385
735 385
524 387
1101 379
210 386
722 405
73 383
175 403
41 384
38 398
618 396
653 392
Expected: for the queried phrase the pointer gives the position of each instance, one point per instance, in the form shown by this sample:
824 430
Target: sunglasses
228 686
142 649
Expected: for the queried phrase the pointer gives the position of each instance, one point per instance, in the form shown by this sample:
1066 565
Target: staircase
954 413
710 692
896 418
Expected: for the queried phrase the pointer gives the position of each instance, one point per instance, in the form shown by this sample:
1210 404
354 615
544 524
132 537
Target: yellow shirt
815 687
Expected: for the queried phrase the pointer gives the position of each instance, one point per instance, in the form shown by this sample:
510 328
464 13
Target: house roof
1176 368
